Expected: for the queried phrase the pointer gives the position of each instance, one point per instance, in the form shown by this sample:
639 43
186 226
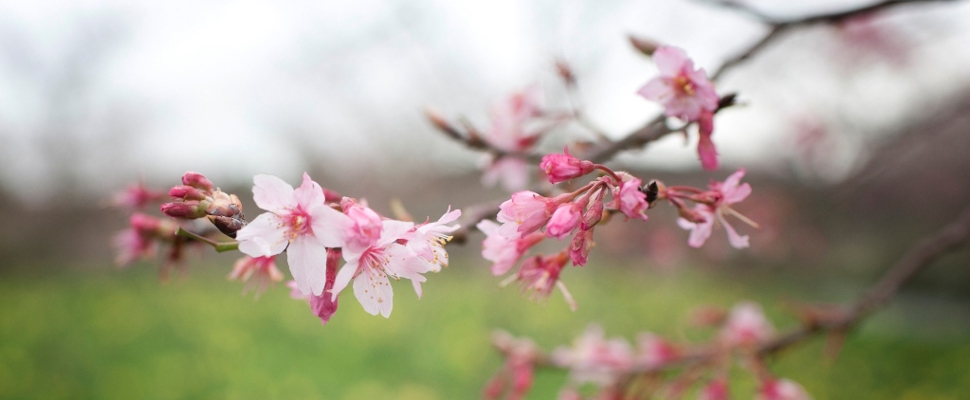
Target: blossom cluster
616 369
528 218
310 229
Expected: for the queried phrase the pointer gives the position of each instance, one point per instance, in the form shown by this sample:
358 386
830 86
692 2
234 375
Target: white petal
343 278
329 225
392 231
271 193
374 292
310 258
264 236
309 193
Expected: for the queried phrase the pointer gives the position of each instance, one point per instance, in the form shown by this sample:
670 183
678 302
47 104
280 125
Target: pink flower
564 220
720 196
139 241
370 268
428 239
563 167
512 172
593 358
653 351
782 389
257 272
746 325
504 252
365 225
298 221
580 247
685 93
632 201
516 376
524 213
135 197
508 131
540 275
716 389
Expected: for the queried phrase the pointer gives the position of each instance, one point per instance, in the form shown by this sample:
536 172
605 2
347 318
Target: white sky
231 89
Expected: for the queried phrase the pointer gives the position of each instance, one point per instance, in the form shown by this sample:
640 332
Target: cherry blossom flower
593 358
428 240
370 268
136 197
563 167
539 275
687 94
524 213
746 325
502 251
511 172
297 221
631 201
653 351
721 196
257 272
564 220
517 374
512 131
782 389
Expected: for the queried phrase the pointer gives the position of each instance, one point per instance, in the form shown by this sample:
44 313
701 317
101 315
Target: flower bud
441 123
197 180
580 247
186 193
645 46
564 220
563 167
593 215
691 215
186 209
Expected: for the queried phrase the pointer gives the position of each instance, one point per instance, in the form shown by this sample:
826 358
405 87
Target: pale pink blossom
509 130
257 272
563 167
298 221
516 376
524 213
139 241
564 220
782 389
746 325
594 359
721 197
685 93
653 351
511 172
502 251
370 268
365 225
428 240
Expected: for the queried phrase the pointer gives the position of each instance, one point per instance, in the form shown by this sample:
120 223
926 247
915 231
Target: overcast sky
120 89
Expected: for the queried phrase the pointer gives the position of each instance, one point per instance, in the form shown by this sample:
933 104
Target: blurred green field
105 334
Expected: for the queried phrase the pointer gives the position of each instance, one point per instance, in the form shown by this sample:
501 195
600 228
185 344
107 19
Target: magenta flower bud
197 180
187 210
143 223
564 220
563 167
593 215
186 193
580 247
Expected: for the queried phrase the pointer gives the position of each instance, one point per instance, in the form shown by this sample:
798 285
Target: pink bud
186 193
563 167
580 247
197 180
143 223
187 210
633 202
593 215
715 390
564 220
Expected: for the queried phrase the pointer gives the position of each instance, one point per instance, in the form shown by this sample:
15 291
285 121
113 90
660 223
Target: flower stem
219 246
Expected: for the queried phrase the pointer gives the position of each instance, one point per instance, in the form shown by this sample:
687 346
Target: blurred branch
915 260
780 26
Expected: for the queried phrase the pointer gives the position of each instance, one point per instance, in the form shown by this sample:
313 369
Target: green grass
123 335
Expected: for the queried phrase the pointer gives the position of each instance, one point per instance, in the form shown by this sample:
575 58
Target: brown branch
914 261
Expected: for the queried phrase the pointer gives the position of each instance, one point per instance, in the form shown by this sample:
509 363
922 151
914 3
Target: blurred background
854 136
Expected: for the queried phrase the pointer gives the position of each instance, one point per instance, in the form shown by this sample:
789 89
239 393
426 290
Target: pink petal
657 90
309 193
262 237
700 232
308 257
671 60
737 241
271 193
344 276
329 225
374 292
705 147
